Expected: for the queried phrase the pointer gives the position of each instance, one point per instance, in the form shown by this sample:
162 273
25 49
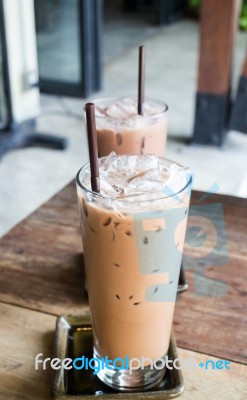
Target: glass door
69 46
4 112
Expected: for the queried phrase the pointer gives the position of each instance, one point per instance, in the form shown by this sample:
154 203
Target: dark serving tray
74 339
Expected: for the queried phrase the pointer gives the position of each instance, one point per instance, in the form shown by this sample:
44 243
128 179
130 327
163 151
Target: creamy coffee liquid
121 129
132 268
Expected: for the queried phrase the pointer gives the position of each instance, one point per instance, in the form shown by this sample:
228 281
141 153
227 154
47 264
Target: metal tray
74 339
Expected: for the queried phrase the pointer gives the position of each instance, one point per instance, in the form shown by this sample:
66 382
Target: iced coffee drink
122 130
133 234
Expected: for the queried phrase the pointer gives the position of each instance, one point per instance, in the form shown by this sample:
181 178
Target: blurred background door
3 97
69 46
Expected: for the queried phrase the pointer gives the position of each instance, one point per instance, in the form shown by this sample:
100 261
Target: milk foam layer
142 178
124 110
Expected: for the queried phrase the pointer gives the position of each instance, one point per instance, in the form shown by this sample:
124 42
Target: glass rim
129 199
151 99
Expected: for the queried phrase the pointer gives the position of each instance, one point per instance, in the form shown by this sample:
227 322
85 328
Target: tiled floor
30 176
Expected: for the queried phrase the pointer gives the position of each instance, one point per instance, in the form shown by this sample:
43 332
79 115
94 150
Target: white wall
22 57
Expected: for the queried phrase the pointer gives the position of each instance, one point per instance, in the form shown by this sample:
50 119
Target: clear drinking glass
122 130
132 252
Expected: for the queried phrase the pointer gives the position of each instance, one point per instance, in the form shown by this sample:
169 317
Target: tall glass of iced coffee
133 233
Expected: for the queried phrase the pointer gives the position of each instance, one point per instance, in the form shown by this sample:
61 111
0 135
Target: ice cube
117 111
100 111
111 186
129 106
144 185
107 162
151 109
148 161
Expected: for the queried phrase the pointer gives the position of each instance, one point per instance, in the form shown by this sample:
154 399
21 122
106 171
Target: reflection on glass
3 111
57 26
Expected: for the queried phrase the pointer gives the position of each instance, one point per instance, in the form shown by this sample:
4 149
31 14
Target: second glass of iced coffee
121 129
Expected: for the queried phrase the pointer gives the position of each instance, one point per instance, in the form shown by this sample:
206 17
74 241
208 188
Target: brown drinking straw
141 78
93 147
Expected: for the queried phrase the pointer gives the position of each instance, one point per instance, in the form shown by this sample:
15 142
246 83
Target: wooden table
42 277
